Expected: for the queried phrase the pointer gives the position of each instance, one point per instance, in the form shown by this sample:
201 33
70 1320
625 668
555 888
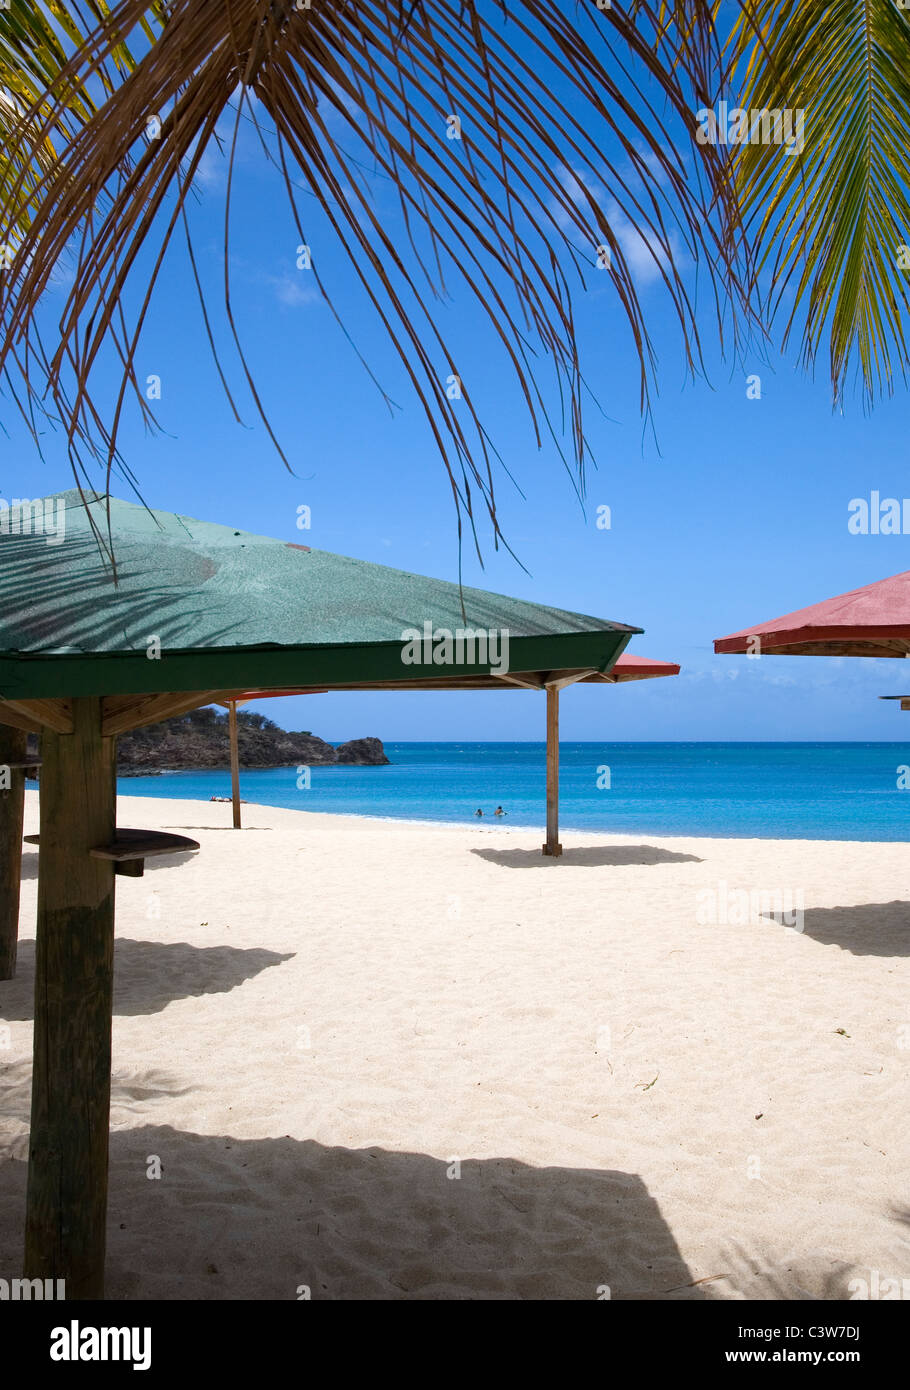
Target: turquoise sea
827 791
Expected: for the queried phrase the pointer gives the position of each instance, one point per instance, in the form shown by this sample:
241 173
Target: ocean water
827 791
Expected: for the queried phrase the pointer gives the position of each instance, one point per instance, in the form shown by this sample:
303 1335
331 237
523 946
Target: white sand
315 1016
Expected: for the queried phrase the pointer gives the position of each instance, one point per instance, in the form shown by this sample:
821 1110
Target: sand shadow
29 866
29 869
170 861
871 929
149 975
593 856
807 1275
260 1218
242 828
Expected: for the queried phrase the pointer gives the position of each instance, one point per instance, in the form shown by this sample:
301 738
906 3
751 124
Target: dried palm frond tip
555 103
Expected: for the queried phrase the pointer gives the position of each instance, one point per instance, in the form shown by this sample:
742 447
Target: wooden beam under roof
121 713
35 715
480 680
558 680
527 681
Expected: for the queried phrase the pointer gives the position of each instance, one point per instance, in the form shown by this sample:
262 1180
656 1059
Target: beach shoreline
386 1062
501 825
838 792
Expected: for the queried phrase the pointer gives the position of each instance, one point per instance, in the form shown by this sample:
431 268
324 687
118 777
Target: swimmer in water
478 812
499 811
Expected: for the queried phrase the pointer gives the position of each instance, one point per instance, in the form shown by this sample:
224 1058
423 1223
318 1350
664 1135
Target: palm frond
554 103
830 227
36 44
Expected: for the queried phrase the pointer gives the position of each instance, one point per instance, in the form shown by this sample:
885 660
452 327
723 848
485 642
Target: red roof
872 621
638 668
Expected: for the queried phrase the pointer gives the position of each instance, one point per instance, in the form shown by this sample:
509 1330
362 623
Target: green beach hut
115 616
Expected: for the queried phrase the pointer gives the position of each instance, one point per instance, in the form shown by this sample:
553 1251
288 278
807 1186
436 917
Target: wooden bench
131 848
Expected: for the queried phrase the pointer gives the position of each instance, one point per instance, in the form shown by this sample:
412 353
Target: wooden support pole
13 749
552 845
66 1203
235 763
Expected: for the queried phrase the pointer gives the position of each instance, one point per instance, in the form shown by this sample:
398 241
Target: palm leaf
540 90
35 50
827 227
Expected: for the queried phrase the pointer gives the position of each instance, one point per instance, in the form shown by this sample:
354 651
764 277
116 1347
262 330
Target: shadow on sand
29 868
259 1218
872 929
149 975
241 831
593 856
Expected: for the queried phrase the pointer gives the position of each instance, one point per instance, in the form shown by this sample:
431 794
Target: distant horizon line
708 742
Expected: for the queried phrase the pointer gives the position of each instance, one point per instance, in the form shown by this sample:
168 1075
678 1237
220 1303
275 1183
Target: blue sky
740 515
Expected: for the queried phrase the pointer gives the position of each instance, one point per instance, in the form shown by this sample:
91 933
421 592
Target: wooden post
66 1203
235 762
13 749
552 845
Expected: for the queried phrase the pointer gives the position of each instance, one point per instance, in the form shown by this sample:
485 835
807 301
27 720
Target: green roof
232 609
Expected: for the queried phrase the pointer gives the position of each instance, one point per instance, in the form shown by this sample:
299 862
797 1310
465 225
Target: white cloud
643 257
289 290
211 171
